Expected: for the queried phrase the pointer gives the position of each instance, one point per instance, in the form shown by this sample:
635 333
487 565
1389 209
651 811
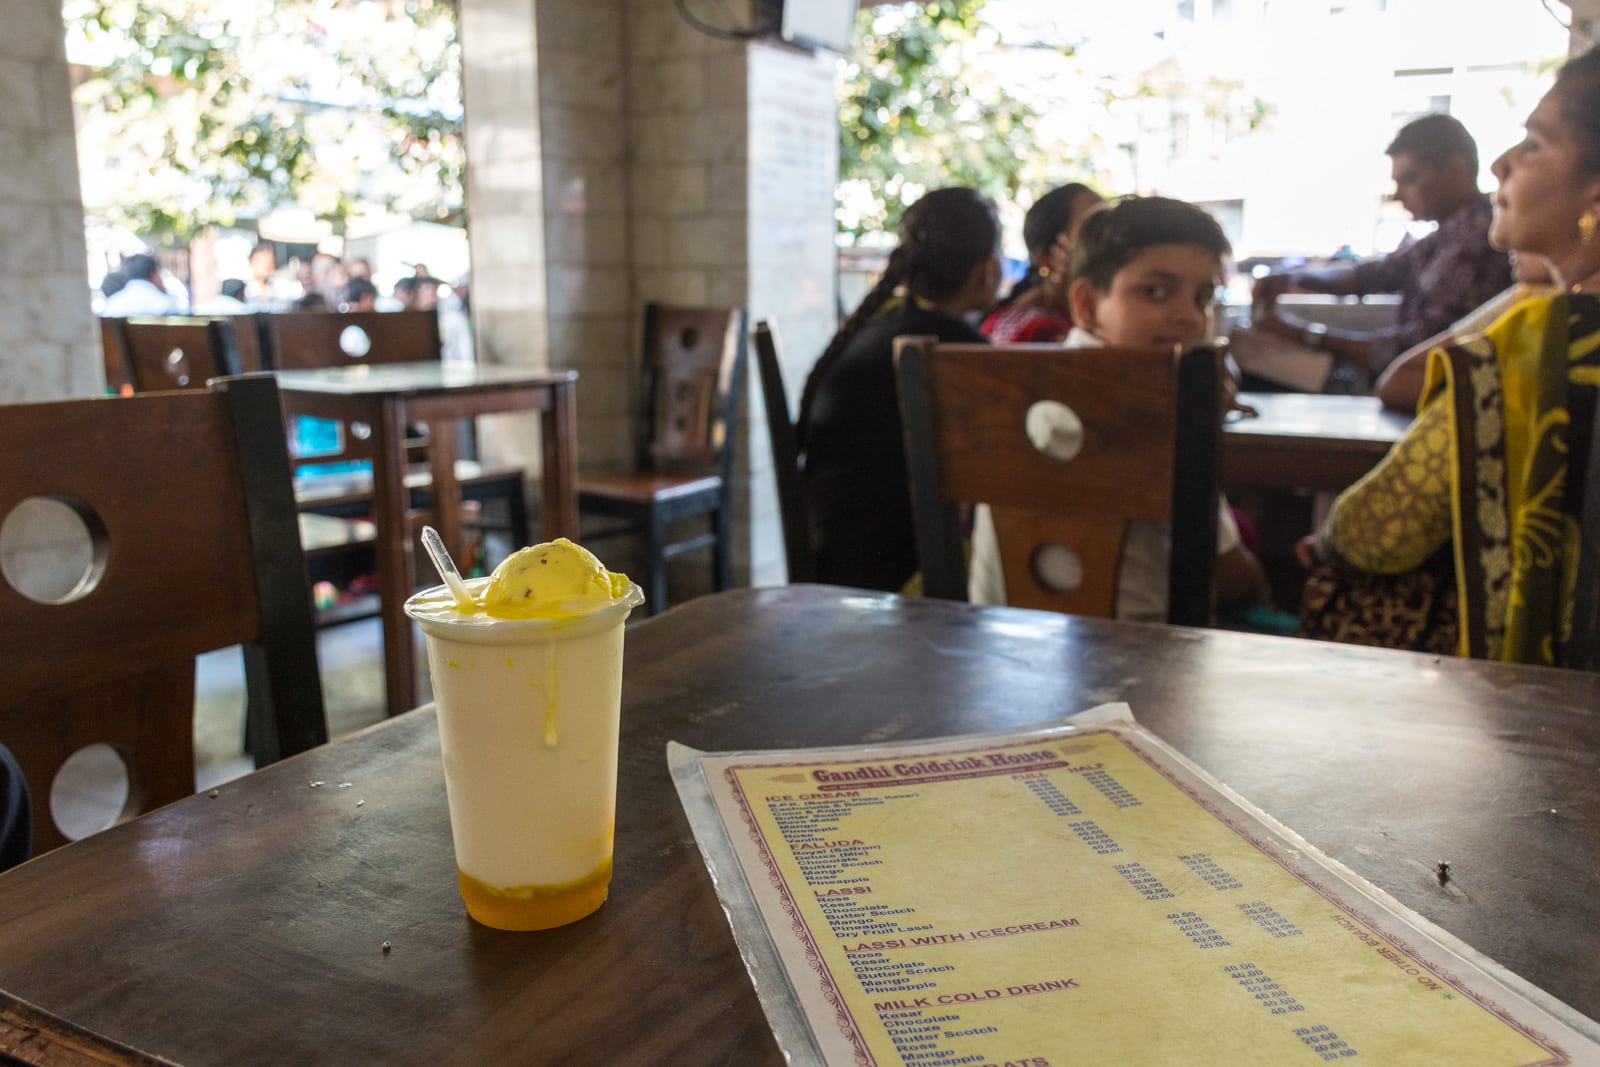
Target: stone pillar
505 201
591 299
49 347
618 156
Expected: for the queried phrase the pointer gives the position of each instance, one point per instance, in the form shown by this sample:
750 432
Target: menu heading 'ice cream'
878 772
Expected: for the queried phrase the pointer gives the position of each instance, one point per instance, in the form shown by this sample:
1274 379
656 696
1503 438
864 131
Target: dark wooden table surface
249 927
388 396
1308 440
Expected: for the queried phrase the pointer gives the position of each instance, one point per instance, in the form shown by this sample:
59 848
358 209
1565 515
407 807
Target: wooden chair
189 506
178 352
313 339
118 381
185 352
305 340
1149 450
792 508
248 341
693 370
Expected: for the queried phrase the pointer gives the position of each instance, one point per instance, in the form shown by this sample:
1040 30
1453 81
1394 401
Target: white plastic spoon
434 544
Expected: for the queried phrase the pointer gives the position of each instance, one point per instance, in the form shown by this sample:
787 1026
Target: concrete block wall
617 156
591 304
687 125
505 204
49 344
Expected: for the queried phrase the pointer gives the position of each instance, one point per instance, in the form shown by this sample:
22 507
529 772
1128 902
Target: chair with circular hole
693 368
314 340
183 352
1069 449
163 353
136 533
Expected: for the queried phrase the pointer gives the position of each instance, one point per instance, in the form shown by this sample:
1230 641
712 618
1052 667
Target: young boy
1145 271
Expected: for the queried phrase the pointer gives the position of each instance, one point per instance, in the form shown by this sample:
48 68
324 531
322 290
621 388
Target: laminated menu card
1076 893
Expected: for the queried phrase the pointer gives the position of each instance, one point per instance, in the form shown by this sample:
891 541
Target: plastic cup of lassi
528 689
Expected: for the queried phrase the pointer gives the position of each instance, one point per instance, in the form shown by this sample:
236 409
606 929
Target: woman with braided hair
946 266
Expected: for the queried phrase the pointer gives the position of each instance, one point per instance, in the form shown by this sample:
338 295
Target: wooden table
388 396
1308 440
250 927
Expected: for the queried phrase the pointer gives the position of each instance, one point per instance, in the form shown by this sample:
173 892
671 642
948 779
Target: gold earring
1044 272
1587 225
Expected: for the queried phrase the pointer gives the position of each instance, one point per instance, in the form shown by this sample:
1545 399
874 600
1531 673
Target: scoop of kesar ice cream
549 580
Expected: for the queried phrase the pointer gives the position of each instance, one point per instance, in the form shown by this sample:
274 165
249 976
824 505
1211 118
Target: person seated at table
265 290
1037 308
16 813
1145 271
1465 537
360 295
416 292
1400 387
1439 278
946 265
142 293
228 301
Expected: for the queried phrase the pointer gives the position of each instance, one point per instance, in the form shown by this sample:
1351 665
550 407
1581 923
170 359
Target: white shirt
1142 577
140 297
221 305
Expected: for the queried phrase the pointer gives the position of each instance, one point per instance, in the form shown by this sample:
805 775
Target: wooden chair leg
655 564
517 514
722 549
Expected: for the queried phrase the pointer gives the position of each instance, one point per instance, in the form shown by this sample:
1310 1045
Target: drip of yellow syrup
551 738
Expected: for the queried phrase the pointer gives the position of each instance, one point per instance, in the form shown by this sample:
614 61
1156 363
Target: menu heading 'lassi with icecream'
527 678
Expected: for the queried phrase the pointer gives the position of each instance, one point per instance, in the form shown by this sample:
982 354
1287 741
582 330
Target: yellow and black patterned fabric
1495 466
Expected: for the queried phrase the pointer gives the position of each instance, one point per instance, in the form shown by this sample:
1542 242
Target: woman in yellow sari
1475 514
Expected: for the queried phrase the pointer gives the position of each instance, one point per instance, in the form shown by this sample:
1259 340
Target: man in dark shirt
1440 278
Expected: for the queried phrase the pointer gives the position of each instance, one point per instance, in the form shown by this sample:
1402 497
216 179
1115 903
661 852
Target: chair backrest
248 345
113 352
693 372
189 508
311 340
796 515
178 352
307 340
1127 435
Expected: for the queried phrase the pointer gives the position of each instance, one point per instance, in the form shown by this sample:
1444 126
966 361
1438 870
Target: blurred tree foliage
916 113
194 113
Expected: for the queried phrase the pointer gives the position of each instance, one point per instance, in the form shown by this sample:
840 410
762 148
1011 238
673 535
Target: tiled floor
89 792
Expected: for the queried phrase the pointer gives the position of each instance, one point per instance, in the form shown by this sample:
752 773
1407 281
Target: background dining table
308 913
388 396
1307 440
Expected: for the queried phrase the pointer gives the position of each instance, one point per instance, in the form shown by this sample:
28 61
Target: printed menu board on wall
1078 893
